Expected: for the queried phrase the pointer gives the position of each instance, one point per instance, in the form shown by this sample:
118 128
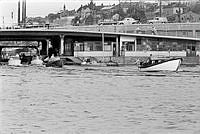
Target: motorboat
57 63
14 61
112 63
37 61
71 60
160 64
54 62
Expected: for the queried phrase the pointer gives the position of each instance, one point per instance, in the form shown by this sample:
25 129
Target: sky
41 8
44 7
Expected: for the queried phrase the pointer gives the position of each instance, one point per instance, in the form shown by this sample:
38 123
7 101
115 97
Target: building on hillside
170 11
106 12
189 17
63 21
84 12
66 13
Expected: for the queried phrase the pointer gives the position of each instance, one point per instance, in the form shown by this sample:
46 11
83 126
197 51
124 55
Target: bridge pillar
62 44
48 45
194 33
43 51
0 53
117 46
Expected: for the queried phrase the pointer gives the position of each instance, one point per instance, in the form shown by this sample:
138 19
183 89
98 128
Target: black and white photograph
99 66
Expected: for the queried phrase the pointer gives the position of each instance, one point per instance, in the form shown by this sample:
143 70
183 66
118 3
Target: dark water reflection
100 100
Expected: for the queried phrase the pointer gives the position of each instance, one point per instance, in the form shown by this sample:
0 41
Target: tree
196 8
89 20
121 13
76 21
137 13
52 16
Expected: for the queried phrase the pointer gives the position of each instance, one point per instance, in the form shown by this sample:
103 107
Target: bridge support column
117 46
48 45
0 53
136 44
194 33
62 44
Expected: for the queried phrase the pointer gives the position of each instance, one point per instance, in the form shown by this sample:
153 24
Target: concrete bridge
66 41
58 38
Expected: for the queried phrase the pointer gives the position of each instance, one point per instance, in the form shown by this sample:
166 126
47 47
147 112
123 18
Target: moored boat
14 61
161 64
37 61
54 62
57 63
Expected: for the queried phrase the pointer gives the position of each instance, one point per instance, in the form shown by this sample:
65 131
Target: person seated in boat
149 59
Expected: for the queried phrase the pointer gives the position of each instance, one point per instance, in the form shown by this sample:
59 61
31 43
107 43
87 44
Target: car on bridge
107 22
127 21
158 20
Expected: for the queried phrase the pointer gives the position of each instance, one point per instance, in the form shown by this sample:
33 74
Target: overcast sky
41 7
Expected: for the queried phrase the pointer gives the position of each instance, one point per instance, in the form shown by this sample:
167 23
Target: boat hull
57 63
170 65
14 62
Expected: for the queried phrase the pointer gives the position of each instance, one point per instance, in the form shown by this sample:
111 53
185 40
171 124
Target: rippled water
99 100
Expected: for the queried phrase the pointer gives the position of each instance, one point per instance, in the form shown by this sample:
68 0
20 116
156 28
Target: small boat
71 60
57 63
36 61
54 62
14 61
112 63
161 64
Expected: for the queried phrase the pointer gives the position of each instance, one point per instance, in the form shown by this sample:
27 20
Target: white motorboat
160 64
14 61
37 61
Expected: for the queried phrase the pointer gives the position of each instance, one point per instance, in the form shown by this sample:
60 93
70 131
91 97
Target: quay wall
130 60
131 57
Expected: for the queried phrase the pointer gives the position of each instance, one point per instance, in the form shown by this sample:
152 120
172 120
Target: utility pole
119 11
3 21
179 11
160 8
12 18
18 19
24 13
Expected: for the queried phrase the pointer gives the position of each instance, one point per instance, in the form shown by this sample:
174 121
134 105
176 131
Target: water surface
99 100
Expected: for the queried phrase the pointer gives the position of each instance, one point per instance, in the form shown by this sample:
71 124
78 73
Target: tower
24 13
64 7
18 19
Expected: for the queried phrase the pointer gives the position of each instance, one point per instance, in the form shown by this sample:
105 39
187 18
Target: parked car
127 21
107 23
158 20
